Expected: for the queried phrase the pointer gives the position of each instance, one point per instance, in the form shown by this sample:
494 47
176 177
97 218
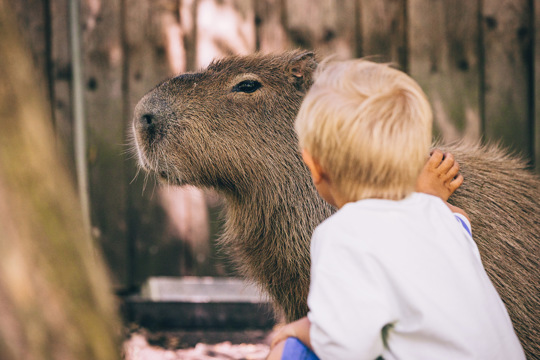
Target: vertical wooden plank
443 39
508 49
61 78
32 21
188 25
536 24
224 27
384 30
271 35
327 26
343 40
102 66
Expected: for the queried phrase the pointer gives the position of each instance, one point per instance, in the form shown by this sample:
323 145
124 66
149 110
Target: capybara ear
301 68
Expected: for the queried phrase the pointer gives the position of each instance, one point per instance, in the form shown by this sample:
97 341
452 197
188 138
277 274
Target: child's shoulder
354 219
350 212
380 207
375 216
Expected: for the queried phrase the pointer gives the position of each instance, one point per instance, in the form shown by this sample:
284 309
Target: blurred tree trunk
55 296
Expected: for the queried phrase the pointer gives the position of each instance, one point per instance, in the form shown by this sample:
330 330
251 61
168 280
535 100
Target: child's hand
440 176
285 332
298 329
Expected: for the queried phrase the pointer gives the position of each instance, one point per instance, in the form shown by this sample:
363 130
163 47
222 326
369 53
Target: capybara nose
148 127
147 121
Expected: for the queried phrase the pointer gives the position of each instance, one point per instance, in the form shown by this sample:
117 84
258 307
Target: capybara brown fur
229 127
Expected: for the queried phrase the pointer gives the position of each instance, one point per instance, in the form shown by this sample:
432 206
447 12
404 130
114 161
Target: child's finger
447 163
452 173
457 182
435 158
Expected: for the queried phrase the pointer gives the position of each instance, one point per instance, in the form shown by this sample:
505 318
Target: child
393 274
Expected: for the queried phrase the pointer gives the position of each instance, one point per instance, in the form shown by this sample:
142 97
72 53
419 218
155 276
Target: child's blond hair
369 128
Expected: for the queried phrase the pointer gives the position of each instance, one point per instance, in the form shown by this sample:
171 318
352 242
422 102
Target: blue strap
295 350
464 224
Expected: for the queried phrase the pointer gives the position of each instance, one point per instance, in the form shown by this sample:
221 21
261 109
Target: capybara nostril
149 127
147 120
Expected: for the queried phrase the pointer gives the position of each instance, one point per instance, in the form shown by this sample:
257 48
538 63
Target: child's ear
313 166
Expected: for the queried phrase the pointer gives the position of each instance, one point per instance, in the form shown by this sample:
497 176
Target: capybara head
209 123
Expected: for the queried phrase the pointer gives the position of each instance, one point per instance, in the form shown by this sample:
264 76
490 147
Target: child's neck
341 201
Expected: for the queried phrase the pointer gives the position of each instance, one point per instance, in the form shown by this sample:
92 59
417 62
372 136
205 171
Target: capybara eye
247 86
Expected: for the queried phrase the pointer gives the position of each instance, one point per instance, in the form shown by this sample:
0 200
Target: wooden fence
478 60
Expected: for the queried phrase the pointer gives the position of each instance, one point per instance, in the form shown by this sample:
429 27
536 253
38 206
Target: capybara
229 127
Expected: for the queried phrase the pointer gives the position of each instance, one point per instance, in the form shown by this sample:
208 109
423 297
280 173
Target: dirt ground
141 344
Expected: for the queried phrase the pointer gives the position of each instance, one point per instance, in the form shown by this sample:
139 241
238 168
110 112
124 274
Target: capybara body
230 127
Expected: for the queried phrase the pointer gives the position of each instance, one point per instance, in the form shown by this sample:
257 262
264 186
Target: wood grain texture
271 35
444 59
33 24
507 46
188 26
102 66
61 76
384 31
327 26
224 28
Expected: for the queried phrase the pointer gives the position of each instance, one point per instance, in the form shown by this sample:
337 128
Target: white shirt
410 268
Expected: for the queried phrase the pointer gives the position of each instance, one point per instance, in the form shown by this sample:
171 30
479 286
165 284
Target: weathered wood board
383 31
507 47
444 59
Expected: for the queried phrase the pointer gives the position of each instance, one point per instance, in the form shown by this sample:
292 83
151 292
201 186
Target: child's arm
440 177
298 329
457 210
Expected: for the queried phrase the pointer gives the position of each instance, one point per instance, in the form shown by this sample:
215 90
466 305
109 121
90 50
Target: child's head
368 126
